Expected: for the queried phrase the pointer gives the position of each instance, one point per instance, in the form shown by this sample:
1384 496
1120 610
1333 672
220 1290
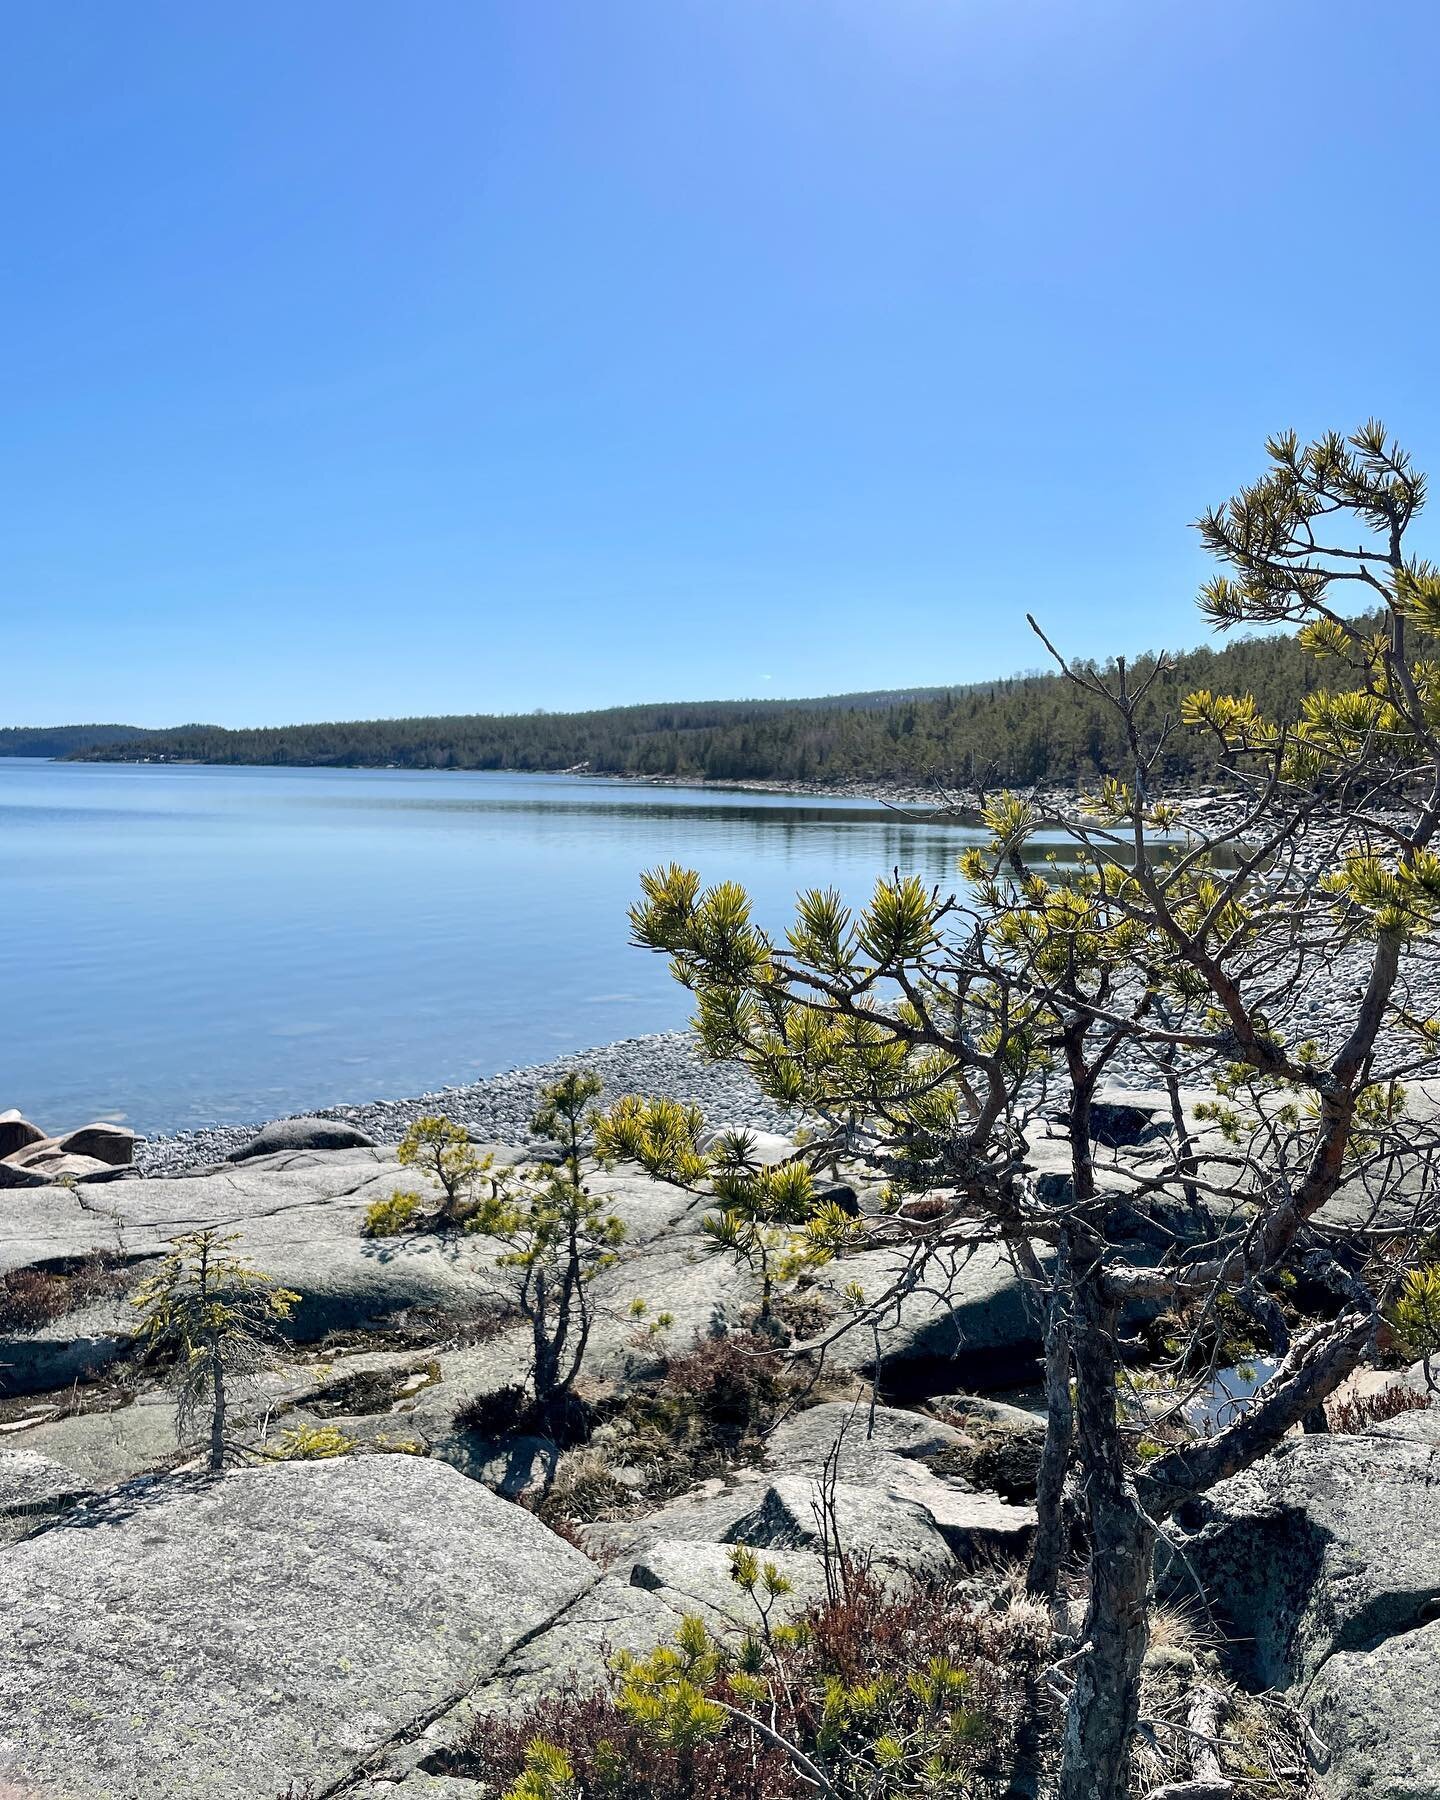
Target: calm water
182 946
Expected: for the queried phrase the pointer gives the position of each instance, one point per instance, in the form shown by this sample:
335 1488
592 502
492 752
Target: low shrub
397 1213
736 1381
310 1443
921 1692
1360 1411
503 1412
585 1488
33 1298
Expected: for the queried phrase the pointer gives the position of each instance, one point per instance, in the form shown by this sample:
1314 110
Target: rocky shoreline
498 1108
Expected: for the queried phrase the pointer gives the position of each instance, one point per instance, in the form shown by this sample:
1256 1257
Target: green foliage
548 1775
762 1218
213 1311
933 1031
557 1237
868 1696
1417 1310
663 1136
664 1693
565 1114
397 1213
311 1443
444 1150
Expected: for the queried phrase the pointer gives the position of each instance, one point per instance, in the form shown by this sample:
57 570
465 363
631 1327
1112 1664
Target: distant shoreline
960 804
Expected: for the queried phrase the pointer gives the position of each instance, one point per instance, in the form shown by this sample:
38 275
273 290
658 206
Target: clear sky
370 358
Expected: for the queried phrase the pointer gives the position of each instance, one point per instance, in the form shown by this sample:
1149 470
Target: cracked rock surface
217 1638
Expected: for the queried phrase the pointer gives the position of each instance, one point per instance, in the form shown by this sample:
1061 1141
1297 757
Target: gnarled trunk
1048 1550
1100 1720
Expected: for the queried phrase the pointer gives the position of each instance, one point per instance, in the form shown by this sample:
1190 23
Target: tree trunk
1048 1551
217 1414
1105 1701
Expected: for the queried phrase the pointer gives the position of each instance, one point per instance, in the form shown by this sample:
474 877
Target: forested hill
65 740
1029 728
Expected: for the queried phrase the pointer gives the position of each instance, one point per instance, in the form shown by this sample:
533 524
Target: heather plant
1360 1412
216 1314
932 1031
871 1694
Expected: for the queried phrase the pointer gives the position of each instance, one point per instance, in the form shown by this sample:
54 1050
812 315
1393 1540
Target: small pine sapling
565 1114
557 1237
217 1314
762 1214
443 1150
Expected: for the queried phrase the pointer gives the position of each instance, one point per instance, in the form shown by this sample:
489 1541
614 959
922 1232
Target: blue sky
369 358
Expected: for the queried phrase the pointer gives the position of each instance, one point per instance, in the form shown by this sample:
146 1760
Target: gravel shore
499 1109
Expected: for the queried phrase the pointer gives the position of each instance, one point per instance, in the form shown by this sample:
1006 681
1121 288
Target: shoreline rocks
498 1109
30 1158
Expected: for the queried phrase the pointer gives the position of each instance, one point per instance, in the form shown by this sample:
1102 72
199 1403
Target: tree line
1036 727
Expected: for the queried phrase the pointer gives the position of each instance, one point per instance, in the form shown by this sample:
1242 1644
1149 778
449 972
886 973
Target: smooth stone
303 1134
17 1133
107 1143
806 1439
1377 1713
274 1626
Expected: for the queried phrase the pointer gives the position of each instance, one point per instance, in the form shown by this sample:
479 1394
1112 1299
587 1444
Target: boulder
1124 1123
779 1513
1326 1545
986 1331
303 1134
1376 1716
231 1636
913 1457
696 1578
49 1162
867 1441
14 1175
978 1412
895 1531
16 1132
104 1142
38 1150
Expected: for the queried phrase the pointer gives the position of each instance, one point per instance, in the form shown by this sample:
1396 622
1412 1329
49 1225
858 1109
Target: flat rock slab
227 1637
298 1216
